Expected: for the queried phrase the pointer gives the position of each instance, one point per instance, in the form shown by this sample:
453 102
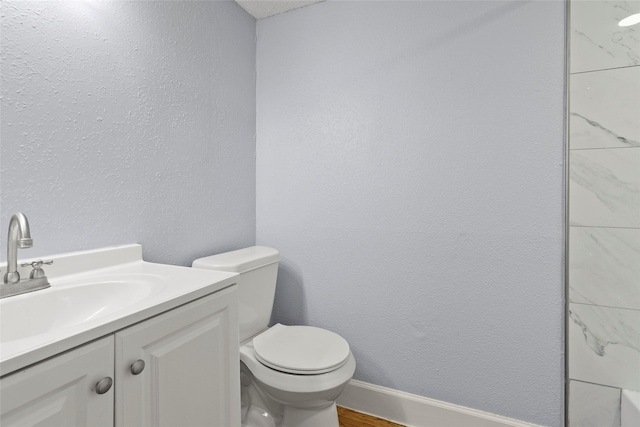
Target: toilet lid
301 349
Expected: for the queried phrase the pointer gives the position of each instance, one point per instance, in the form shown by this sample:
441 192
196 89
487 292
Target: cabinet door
61 391
192 367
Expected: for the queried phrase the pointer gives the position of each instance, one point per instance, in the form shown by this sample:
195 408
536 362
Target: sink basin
71 303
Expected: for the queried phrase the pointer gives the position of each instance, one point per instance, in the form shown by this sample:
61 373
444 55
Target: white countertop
119 264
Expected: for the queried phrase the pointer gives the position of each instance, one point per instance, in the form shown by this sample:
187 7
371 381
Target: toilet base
257 414
258 417
315 417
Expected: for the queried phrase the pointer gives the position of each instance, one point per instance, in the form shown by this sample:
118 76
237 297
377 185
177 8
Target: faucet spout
19 237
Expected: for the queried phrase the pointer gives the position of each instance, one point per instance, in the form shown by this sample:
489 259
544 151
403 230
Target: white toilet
291 375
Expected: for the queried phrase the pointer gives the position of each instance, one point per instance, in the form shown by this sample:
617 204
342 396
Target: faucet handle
37 263
37 271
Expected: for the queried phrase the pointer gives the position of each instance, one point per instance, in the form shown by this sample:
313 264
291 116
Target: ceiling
264 8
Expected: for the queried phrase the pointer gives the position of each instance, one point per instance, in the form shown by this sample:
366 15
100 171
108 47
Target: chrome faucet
19 237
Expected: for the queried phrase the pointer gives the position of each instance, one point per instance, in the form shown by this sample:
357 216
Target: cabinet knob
104 385
137 367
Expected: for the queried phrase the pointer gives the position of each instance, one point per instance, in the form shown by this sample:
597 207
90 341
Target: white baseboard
417 411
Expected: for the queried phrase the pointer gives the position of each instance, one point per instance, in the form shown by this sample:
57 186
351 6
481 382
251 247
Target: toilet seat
302 350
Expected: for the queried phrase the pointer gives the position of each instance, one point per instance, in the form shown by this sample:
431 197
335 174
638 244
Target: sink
94 293
70 303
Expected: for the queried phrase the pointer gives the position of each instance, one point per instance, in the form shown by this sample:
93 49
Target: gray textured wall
410 170
129 122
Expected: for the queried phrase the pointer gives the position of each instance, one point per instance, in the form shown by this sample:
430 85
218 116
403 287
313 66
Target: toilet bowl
291 375
293 399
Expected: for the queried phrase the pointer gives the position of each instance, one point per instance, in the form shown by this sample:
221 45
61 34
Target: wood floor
349 418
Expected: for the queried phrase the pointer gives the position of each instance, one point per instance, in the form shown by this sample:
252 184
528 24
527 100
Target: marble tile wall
597 43
593 405
604 210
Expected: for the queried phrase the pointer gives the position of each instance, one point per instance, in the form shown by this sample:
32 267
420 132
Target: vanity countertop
94 293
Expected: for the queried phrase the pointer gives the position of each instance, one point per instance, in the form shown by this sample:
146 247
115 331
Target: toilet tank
258 269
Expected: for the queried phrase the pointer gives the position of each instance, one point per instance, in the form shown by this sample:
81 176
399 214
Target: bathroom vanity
121 342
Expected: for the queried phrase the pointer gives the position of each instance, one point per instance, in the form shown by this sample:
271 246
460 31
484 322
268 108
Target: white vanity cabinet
190 375
61 391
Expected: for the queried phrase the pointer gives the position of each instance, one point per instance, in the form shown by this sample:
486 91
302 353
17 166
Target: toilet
291 375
